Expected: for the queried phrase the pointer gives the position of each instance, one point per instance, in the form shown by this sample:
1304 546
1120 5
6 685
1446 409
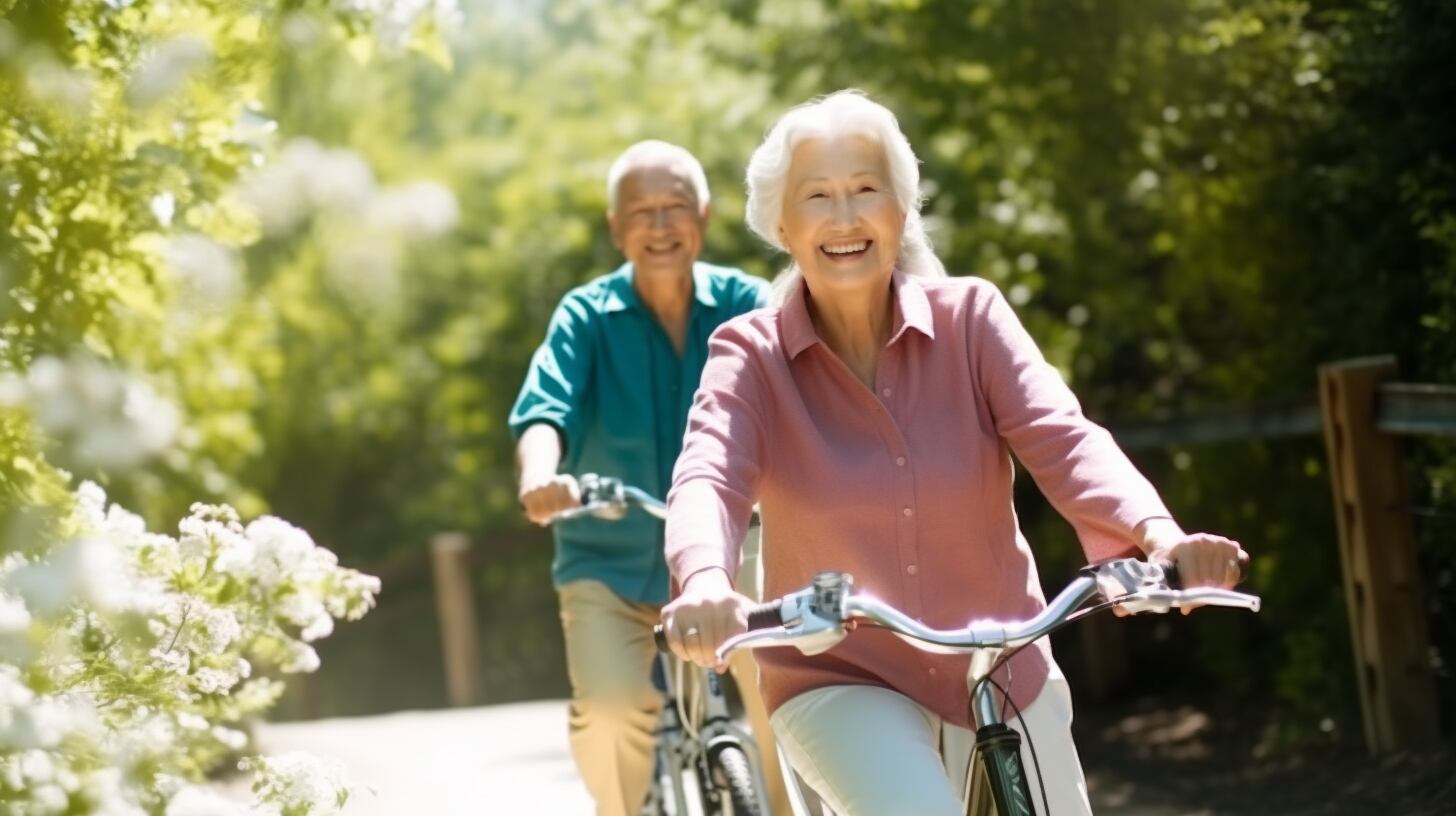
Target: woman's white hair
847 111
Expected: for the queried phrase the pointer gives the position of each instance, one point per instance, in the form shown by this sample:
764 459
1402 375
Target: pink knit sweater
908 487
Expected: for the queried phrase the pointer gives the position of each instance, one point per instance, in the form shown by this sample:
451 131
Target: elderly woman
873 415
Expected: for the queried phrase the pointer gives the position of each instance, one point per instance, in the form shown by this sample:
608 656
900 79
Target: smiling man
608 392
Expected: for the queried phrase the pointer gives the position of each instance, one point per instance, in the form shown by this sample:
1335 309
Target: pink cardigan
907 487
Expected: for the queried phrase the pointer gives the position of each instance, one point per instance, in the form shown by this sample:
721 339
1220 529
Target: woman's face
841 221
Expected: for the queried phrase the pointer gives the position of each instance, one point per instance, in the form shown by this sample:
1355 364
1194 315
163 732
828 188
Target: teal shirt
608 378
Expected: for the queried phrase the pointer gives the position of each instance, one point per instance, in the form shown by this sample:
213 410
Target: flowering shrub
127 661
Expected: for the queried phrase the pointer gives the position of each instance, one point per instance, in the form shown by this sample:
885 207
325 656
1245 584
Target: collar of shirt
622 295
912 311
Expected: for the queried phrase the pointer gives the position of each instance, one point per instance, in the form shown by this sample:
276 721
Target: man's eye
817 195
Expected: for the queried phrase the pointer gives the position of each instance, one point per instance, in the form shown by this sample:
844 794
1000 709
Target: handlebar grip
1175 581
763 616
766 616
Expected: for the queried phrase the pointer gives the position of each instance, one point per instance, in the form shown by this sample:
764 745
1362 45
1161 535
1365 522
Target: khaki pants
614 707
870 751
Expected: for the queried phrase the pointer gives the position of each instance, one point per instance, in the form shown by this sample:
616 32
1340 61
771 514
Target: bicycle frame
685 742
683 777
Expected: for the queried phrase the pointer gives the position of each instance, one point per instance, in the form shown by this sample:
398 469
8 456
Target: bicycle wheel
733 775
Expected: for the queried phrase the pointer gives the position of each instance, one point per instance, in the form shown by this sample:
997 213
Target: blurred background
325 236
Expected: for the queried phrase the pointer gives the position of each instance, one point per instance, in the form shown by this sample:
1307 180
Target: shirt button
932 671
912 569
900 460
908 511
885 392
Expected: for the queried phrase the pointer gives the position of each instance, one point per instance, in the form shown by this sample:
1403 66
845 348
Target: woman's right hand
707 613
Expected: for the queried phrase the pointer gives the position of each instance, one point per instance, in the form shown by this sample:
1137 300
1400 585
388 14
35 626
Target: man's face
658 222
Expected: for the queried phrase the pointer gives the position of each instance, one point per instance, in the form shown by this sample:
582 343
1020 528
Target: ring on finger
691 631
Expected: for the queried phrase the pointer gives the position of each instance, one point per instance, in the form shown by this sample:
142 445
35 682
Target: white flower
107 790
299 782
424 208
208 273
216 630
100 416
49 800
14 617
301 658
283 551
309 613
230 737
89 570
171 661
167 68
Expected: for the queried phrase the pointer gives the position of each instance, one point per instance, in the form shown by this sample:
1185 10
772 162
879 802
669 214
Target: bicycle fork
997 782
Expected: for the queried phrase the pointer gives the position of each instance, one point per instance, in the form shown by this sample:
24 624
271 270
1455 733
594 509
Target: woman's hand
1202 559
707 613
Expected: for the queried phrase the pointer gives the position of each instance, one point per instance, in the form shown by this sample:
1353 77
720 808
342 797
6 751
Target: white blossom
179 616
100 416
298 782
424 208
167 68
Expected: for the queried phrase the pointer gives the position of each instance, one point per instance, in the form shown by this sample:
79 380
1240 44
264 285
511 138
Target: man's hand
542 497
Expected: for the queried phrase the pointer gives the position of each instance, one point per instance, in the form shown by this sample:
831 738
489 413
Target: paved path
508 759
499 760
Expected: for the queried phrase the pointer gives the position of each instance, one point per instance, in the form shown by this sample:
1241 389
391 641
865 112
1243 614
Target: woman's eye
817 195
868 189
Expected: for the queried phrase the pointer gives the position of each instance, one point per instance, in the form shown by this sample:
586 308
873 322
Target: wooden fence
1362 411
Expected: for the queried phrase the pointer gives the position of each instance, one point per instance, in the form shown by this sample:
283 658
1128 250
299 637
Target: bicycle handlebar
606 497
815 618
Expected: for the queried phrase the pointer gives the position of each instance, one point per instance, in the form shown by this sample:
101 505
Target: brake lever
1162 600
600 509
804 629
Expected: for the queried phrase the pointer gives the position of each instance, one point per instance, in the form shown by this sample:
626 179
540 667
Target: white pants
870 751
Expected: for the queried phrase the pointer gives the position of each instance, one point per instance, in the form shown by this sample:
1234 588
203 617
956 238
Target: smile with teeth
668 247
846 248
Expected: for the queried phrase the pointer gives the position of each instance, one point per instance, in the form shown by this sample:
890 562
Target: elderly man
608 392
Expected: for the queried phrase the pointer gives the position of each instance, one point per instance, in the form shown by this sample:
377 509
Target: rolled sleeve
717 475
559 375
1075 462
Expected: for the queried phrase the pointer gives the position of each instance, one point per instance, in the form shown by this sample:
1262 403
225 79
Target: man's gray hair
657 153
847 111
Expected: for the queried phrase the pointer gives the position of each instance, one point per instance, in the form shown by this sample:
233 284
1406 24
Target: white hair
847 111
657 153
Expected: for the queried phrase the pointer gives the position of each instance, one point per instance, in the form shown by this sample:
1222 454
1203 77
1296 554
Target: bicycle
817 617
705 764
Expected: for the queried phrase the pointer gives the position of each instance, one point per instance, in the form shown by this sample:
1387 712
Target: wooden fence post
455 602
1377 550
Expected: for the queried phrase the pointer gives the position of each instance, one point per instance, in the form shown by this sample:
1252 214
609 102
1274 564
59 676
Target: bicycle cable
1006 695
689 724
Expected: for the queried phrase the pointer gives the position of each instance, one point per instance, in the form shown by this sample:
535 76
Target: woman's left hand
1202 559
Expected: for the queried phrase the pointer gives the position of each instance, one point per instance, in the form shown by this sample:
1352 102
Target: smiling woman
871 416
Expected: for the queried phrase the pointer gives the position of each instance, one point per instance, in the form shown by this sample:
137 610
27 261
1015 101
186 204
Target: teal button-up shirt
608 378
